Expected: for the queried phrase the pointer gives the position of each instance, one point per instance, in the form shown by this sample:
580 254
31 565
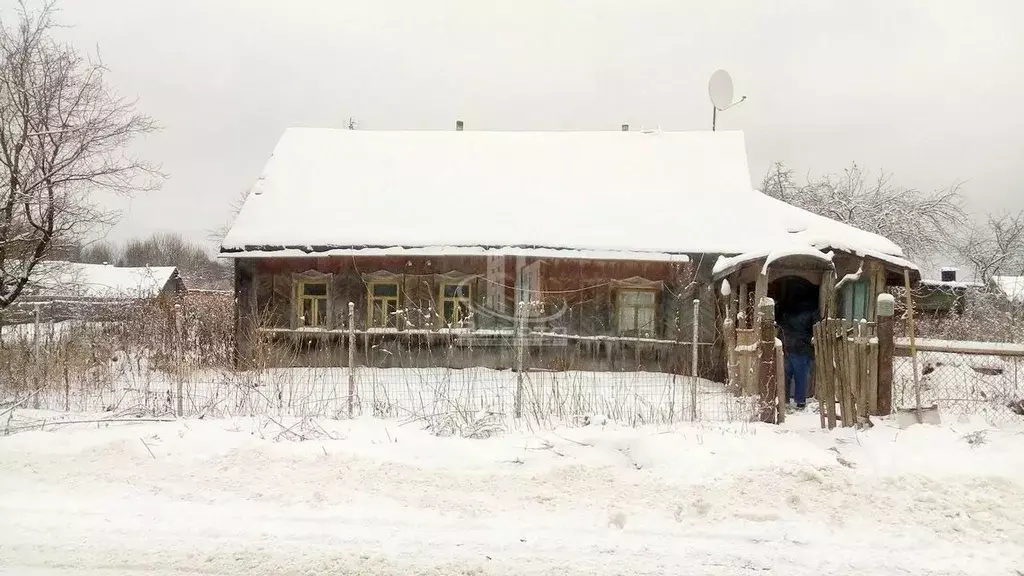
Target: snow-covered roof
55 279
576 194
952 284
1011 286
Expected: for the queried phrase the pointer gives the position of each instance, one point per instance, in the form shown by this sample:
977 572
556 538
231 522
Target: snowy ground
240 497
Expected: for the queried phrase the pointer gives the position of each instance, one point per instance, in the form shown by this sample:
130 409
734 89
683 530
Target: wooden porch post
766 358
884 321
245 312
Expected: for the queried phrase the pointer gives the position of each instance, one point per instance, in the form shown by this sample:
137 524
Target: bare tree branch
63 137
918 222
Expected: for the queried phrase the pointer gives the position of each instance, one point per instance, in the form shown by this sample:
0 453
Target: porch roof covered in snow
641 195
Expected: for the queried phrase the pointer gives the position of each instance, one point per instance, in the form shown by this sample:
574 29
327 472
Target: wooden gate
846 369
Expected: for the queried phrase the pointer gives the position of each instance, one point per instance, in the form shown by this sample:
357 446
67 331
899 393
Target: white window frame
638 309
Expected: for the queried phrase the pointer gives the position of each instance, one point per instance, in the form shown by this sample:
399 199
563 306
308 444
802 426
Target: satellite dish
720 89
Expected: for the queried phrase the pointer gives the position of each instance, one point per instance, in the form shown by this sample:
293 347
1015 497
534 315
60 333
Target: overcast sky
931 91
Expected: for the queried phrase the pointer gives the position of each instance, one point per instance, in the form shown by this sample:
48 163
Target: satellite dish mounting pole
720 90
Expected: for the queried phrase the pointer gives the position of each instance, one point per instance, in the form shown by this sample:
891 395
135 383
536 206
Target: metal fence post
352 359
179 346
913 346
35 358
519 335
693 361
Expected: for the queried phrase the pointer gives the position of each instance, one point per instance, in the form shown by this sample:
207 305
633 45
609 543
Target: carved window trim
301 279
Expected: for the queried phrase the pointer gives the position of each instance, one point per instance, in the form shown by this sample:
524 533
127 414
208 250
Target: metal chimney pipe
458 125
625 127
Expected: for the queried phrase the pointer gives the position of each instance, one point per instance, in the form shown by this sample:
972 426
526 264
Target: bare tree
63 137
917 221
994 247
171 249
217 234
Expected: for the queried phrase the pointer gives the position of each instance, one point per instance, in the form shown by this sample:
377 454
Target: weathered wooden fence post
780 383
886 348
767 387
352 359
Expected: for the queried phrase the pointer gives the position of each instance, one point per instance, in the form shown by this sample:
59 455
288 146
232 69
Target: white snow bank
598 192
369 497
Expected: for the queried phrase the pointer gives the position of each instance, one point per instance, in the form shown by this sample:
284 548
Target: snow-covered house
945 295
440 234
72 289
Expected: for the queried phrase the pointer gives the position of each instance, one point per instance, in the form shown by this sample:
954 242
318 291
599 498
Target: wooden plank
833 387
843 372
819 355
851 374
837 370
830 372
828 334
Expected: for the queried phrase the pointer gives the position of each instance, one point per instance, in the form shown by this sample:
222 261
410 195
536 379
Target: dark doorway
792 294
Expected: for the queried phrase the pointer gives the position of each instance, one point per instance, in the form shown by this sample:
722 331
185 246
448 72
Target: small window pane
645 298
627 319
448 312
456 291
321 311
387 290
855 300
307 312
645 319
314 289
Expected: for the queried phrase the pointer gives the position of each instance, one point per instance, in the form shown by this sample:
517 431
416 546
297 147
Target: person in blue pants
797 330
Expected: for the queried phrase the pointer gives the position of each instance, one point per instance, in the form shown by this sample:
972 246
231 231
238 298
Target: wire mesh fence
177 361
984 383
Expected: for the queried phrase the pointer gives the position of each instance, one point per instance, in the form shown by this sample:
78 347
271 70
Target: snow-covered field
367 496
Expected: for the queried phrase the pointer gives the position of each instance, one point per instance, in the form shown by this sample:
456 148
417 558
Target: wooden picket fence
846 369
